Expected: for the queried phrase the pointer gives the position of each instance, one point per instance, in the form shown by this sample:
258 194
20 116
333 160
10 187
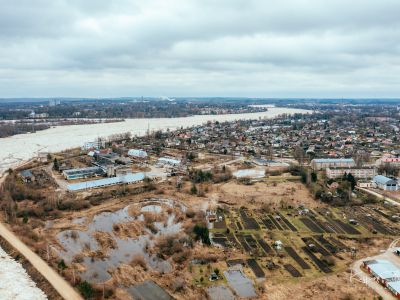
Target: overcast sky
265 48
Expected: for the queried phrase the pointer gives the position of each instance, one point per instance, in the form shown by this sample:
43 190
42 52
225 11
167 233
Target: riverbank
10 128
19 148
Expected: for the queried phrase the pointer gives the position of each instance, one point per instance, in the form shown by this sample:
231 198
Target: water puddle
122 249
240 283
220 292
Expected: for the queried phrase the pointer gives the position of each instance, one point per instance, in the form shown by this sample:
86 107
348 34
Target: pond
97 269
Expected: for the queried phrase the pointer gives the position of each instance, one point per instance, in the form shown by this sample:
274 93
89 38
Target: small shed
27 176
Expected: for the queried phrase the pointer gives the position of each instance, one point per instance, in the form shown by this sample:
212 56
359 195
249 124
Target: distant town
24 116
223 210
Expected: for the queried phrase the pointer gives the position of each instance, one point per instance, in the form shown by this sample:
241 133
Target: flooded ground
120 249
220 292
240 283
19 148
249 173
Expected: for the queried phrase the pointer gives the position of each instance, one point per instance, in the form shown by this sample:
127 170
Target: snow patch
15 283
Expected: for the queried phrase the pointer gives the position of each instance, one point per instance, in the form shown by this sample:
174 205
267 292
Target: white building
137 153
359 173
390 160
323 163
98 144
168 161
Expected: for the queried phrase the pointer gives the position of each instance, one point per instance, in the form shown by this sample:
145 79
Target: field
293 246
268 238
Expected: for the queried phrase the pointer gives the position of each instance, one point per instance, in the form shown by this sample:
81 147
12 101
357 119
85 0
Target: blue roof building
126 179
385 183
137 153
386 272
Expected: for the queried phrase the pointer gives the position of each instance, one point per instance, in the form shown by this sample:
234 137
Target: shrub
61 265
190 213
85 289
179 285
202 233
138 260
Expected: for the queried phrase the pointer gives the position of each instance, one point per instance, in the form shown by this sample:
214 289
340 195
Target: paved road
59 284
380 196
367 279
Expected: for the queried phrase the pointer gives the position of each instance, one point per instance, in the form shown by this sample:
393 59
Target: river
16 149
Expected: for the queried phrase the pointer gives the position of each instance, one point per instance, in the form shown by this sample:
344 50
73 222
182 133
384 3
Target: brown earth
261 193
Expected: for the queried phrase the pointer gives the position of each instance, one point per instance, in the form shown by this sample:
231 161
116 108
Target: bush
190 213
202 233
193 189
61 265
179 285
138 260
181 257
85 289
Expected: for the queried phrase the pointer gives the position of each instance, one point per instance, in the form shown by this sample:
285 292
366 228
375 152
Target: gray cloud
227 47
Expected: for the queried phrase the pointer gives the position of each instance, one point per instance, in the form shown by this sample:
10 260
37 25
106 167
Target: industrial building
82 173
94 145
359 173
323 163
386 273
127 179
385 183
168 161
137 153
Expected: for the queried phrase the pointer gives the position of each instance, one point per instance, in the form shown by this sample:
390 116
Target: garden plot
292 270
255 267
320 264
300 261
311 225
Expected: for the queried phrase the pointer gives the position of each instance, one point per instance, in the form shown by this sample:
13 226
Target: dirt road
358 274
59 284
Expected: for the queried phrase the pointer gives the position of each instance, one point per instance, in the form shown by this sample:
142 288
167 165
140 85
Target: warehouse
82 173
137 153
386 273
385 183
127 179
168 161
323 163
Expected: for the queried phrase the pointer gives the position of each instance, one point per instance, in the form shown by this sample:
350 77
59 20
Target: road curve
366 278
59 284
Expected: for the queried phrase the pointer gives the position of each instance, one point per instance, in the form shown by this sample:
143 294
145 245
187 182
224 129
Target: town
224 210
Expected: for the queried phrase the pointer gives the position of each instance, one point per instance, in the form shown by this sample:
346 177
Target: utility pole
73 274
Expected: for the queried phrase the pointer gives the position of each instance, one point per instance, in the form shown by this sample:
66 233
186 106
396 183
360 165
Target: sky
244 48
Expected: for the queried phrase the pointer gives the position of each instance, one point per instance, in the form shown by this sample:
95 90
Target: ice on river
18 148
15 283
